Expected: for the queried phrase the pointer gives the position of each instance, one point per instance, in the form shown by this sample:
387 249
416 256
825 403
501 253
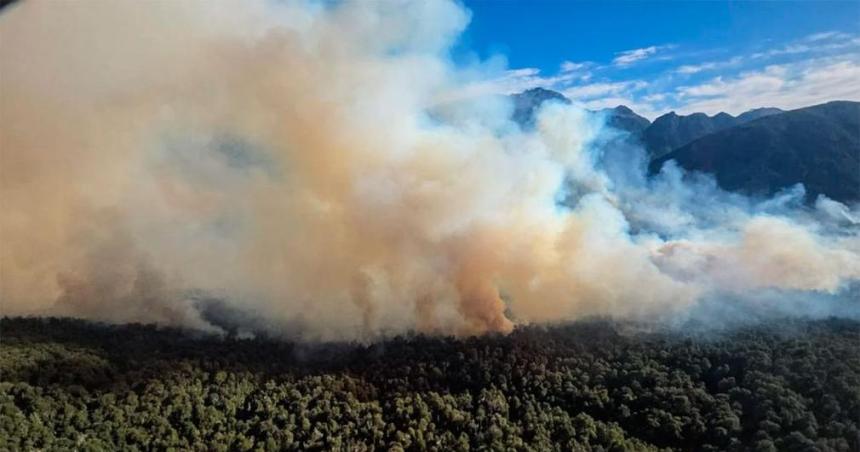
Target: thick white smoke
316 166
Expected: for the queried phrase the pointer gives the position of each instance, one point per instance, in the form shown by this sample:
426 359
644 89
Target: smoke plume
322 169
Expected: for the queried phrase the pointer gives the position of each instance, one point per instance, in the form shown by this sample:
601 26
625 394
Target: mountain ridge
659 136
818 146
760 151
671 130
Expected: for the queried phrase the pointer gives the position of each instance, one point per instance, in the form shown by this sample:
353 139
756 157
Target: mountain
665 134
671 131
817 146
759 151
623 118
757 113
527 102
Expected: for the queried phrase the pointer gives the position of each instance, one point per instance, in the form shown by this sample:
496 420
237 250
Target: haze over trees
69 384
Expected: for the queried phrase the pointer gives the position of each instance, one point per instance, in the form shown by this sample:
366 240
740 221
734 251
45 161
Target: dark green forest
596 385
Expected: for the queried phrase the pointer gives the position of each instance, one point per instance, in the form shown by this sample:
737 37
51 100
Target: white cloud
570 66
708 66
628 57
582 70
815 43
772 78
790 49
825 36
695 68
821 76
593 90
785 86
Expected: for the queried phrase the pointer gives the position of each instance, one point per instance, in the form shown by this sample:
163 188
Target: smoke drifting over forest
325 171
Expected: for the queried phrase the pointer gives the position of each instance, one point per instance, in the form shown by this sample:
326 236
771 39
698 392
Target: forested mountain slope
817 146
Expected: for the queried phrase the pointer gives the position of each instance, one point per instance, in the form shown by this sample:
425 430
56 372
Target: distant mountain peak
542 91
527 103
623 118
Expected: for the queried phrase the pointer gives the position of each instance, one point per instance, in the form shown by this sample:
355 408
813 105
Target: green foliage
68 384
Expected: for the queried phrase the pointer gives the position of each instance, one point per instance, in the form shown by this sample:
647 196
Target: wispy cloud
825 66
826 35
815 43
571 66
581 70
785 86
689 69
592 90
814 69
629 57
656 97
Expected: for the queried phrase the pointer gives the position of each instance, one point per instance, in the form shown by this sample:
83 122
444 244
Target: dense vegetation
69 384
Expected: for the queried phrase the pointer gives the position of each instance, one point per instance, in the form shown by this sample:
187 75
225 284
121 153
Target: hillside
623 118
68 384
818 146
671 131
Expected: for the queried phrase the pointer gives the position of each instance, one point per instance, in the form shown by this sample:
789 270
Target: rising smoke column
313 165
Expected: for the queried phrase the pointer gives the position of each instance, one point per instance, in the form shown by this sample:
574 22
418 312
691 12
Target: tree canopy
598 386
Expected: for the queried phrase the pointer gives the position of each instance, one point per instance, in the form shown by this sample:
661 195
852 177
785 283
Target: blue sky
683 56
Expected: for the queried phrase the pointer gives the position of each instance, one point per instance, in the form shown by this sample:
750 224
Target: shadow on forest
106 357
